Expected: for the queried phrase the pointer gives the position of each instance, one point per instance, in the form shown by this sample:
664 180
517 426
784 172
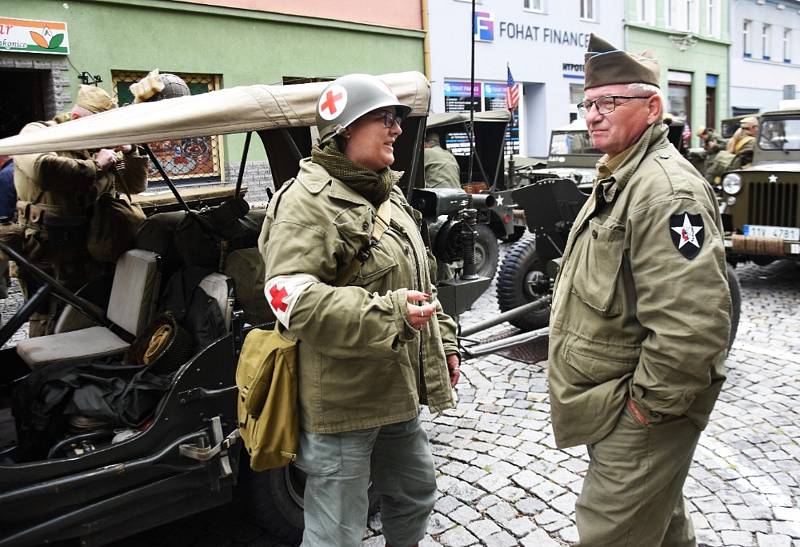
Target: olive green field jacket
441 169
638 311
361 364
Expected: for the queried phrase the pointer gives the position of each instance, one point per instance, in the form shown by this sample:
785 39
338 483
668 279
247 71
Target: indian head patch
687 233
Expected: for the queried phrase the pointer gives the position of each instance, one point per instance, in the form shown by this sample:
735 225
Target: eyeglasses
389 118
605 104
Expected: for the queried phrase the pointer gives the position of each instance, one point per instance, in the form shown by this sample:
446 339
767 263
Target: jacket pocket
599 267
598 369
379 263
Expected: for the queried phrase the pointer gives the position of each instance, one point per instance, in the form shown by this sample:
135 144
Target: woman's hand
453 369
418 309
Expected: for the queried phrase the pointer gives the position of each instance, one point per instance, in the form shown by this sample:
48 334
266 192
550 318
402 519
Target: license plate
780 232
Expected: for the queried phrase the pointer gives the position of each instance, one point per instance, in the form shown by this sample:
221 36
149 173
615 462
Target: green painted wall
243 47
707 56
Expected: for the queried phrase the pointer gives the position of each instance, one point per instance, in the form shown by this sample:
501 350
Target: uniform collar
315 178
613 175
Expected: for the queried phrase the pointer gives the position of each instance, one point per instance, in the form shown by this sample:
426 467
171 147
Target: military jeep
760 204
99 483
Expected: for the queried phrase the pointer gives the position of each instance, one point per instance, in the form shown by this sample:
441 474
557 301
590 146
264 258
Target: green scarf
374 187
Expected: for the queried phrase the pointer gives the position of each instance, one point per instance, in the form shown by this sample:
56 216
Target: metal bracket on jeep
220 447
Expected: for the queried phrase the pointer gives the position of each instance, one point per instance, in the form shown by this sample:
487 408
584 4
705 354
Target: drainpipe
426 43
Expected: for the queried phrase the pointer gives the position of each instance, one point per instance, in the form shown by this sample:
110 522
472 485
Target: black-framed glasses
605 104
389 118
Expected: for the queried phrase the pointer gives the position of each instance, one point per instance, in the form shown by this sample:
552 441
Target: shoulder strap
379 227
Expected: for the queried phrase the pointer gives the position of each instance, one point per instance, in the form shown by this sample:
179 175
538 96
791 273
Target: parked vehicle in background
760 204
484 174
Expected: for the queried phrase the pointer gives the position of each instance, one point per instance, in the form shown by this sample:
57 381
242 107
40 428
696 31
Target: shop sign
484 26
30 36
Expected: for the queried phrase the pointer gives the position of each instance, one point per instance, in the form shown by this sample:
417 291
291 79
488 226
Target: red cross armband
283 291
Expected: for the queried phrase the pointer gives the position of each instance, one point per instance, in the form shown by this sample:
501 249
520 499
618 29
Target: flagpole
471 133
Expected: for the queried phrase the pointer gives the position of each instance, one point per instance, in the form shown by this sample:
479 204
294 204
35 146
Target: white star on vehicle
687 232
773 178
499 200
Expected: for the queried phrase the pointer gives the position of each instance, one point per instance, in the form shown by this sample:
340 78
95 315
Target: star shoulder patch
687 233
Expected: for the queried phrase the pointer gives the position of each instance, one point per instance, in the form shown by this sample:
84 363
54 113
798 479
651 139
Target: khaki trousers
632 494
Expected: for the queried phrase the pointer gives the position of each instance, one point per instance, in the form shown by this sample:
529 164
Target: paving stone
464 515
521 526
732 537
457 537
438 523
483 528
773 540
538 538
501 539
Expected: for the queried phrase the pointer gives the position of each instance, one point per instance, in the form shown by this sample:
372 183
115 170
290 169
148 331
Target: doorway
21 99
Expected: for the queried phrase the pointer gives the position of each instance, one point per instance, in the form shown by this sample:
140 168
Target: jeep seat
218 287
130 306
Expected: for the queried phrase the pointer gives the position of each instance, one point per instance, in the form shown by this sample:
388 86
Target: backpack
266 376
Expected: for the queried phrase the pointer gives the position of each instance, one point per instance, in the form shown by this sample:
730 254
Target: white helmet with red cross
348 98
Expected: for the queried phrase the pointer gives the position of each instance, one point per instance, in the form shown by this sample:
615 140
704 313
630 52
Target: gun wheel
523 279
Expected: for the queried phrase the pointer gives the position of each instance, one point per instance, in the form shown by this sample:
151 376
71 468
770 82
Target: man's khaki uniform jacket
441 169
631 316
64 185
361 364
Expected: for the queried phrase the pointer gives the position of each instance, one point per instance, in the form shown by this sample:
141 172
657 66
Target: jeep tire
274 500
487 251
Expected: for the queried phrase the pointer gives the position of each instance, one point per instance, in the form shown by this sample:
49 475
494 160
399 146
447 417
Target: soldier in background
56 192
441 167
640 317
8 200
743 142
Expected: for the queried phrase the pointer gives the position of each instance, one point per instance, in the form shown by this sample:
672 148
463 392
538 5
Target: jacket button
364 226
594 234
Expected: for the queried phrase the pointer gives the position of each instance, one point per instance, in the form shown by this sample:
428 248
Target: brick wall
257 177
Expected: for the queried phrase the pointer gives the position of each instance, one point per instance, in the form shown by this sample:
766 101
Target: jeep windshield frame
779 134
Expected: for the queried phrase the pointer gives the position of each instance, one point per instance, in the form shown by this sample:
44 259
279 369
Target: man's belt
37 215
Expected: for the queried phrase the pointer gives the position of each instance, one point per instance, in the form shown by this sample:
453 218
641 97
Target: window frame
713 11
646 12
526 6
747 35
787 45
589 6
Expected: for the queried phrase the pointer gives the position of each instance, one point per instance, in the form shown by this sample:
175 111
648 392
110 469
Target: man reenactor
640 316
441 167
56 192
743 142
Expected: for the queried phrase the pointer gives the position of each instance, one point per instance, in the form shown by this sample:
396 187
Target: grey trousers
397 458
632 494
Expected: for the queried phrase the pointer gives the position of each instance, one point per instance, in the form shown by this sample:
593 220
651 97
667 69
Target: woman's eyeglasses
605 104
389 118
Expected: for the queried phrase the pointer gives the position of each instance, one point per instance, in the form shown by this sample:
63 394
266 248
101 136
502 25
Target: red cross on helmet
346 99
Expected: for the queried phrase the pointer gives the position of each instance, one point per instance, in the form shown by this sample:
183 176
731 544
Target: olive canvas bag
266 376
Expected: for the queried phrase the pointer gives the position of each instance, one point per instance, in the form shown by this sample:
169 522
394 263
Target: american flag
512 91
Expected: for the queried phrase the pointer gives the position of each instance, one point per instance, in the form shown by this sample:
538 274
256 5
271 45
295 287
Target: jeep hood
793 166
234 110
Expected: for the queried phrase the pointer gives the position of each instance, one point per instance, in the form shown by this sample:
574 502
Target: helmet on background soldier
346 99
156 86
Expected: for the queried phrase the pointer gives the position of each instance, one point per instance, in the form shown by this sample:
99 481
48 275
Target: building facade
765 54
47 46
543 42
691 40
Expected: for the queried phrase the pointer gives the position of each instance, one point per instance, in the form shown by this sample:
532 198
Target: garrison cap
607 65
94 99
749 121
